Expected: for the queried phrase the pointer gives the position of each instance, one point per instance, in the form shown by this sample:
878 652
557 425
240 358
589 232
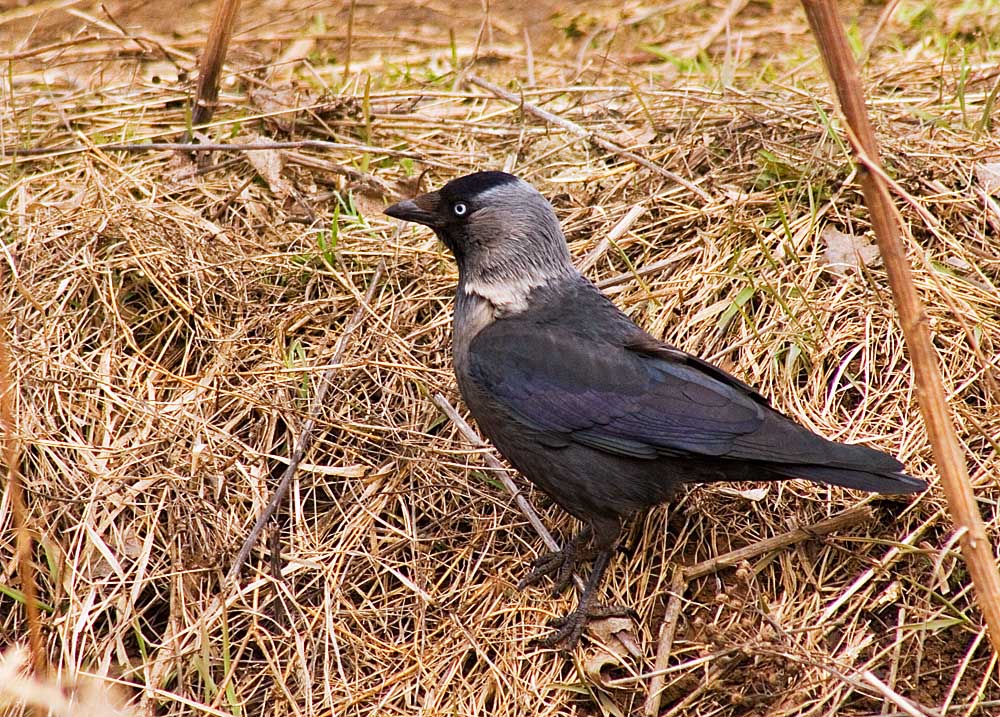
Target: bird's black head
449 210
497 226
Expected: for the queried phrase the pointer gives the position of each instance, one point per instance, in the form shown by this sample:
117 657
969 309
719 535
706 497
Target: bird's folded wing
634 400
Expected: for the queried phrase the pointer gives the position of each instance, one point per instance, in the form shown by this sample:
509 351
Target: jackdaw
603 417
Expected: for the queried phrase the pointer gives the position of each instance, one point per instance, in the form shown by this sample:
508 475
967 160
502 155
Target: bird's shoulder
571 307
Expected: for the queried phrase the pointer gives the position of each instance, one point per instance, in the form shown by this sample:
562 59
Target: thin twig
907 706
717 670
529 59
213 147
977 549
472 437
843 519
887 12
522 503
616 233
51 47
597 138
667 630
890 557
350 40
657 267
306 436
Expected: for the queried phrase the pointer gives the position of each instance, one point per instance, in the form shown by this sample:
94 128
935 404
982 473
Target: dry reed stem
212 59
20 518
977 549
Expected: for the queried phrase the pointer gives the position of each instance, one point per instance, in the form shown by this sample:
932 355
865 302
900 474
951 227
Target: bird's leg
570 628
561 562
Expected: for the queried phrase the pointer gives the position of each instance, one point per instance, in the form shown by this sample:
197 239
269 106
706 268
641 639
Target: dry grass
168 320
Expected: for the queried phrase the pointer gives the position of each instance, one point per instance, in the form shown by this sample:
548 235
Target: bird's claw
569 628
560 564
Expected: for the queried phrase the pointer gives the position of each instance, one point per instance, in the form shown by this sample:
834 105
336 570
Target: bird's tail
889 483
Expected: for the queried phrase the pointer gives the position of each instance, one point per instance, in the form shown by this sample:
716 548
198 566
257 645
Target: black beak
422 210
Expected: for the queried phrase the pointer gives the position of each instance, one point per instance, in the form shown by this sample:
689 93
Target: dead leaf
752 494
279 105
958 263
988 174
616 641
636 137
595 665
847 251
269 163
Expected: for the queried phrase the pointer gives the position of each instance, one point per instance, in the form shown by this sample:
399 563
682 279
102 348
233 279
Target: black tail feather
888 483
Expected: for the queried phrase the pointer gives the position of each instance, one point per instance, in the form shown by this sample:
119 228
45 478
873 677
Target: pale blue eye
460 209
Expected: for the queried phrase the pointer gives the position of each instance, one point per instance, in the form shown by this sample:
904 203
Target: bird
603 417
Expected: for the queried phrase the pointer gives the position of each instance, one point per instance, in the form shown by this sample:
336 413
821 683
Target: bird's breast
472 315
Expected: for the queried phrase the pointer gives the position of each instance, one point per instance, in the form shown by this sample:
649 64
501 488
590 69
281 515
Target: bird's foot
569 628
560 564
